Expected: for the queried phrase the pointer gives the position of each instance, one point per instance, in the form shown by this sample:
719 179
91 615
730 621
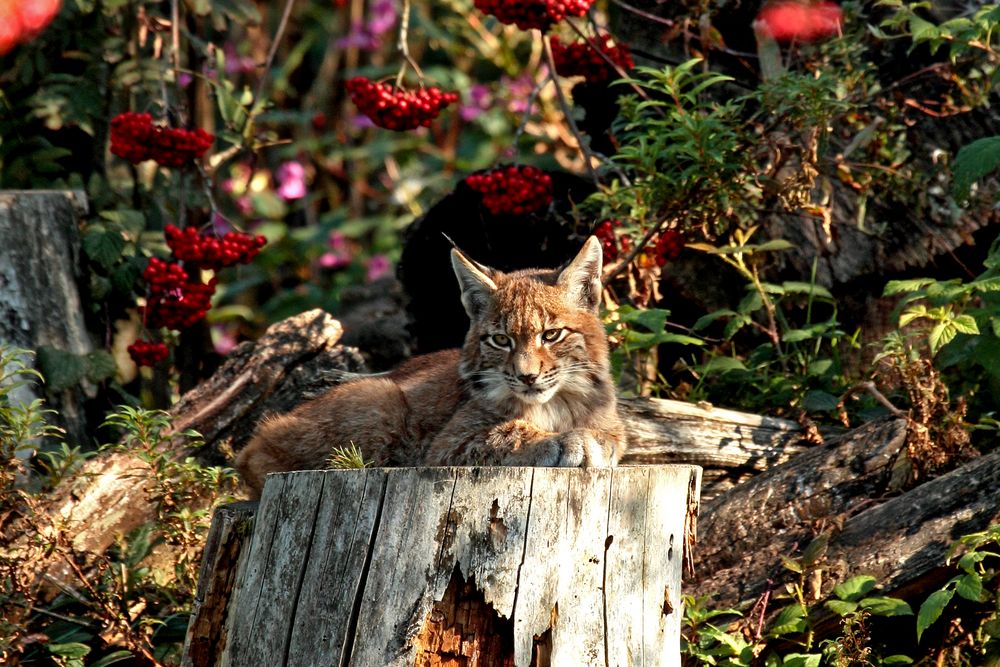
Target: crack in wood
608 541
359 593
524 545
302 573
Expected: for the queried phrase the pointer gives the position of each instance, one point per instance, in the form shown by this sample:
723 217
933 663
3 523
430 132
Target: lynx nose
528 379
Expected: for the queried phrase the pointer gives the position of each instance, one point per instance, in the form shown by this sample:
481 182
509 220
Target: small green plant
347 458
976 583
798 363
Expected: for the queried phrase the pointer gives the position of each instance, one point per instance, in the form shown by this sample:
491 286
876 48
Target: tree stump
477 567
40 288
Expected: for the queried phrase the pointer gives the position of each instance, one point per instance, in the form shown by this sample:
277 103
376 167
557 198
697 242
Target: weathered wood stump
41 280
451 566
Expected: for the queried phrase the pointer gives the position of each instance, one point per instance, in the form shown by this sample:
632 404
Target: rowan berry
514 189
397 109
582 59
528 14
147 353
207 251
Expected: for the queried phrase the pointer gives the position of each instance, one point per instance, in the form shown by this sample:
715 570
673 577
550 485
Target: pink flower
789 20
222 340
292 179
378 266
383 17
479 100
332 260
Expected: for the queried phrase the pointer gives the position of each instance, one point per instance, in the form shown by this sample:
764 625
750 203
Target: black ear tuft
475 281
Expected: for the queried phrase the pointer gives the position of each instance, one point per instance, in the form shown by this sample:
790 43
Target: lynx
531 386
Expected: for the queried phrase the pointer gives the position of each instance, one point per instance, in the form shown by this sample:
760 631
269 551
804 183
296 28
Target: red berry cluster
605 233
528 14
397 109
147 353
207 251
135 138
668 246
582 59
513 189
174 301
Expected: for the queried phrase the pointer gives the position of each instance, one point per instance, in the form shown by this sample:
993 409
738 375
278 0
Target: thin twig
275 42
588 156
404 47
623 264
618 68
870 388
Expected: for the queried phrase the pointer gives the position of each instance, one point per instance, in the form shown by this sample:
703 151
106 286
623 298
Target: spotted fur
530 386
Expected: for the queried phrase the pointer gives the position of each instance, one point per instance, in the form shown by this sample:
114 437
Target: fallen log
901 541
500 566
777 511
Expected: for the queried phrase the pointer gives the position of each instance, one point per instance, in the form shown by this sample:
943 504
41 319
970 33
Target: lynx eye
500 340
552 335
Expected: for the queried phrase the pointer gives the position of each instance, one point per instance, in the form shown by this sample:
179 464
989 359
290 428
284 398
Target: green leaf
883 606
61 369
70 650
103 245
112 658
965 324
973 162
905 286
772 245
806 288
931 609
790 620
897 659
750 303
820 367
100 366
722 365
819 401
986 284
970 587
841 607
992 628
652 319
802 660
854 588
797 335
940 335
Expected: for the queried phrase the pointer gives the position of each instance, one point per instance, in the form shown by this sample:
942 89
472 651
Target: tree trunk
462 566
40 278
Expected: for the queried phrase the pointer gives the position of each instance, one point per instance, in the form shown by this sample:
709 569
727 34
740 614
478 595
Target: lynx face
535 344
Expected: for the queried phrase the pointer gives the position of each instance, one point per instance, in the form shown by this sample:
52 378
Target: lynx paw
573 449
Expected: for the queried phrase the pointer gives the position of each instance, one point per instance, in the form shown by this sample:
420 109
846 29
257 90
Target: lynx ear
476 284
582 278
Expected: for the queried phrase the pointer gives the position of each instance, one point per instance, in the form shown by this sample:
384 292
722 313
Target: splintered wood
463 567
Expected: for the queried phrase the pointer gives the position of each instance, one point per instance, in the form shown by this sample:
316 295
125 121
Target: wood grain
412 566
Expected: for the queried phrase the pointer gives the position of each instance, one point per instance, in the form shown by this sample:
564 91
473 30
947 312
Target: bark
499 566
901 541
40 288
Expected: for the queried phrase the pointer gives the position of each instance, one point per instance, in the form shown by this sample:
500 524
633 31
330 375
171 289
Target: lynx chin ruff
531 387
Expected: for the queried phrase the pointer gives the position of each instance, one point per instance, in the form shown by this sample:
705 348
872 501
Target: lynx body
531 386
